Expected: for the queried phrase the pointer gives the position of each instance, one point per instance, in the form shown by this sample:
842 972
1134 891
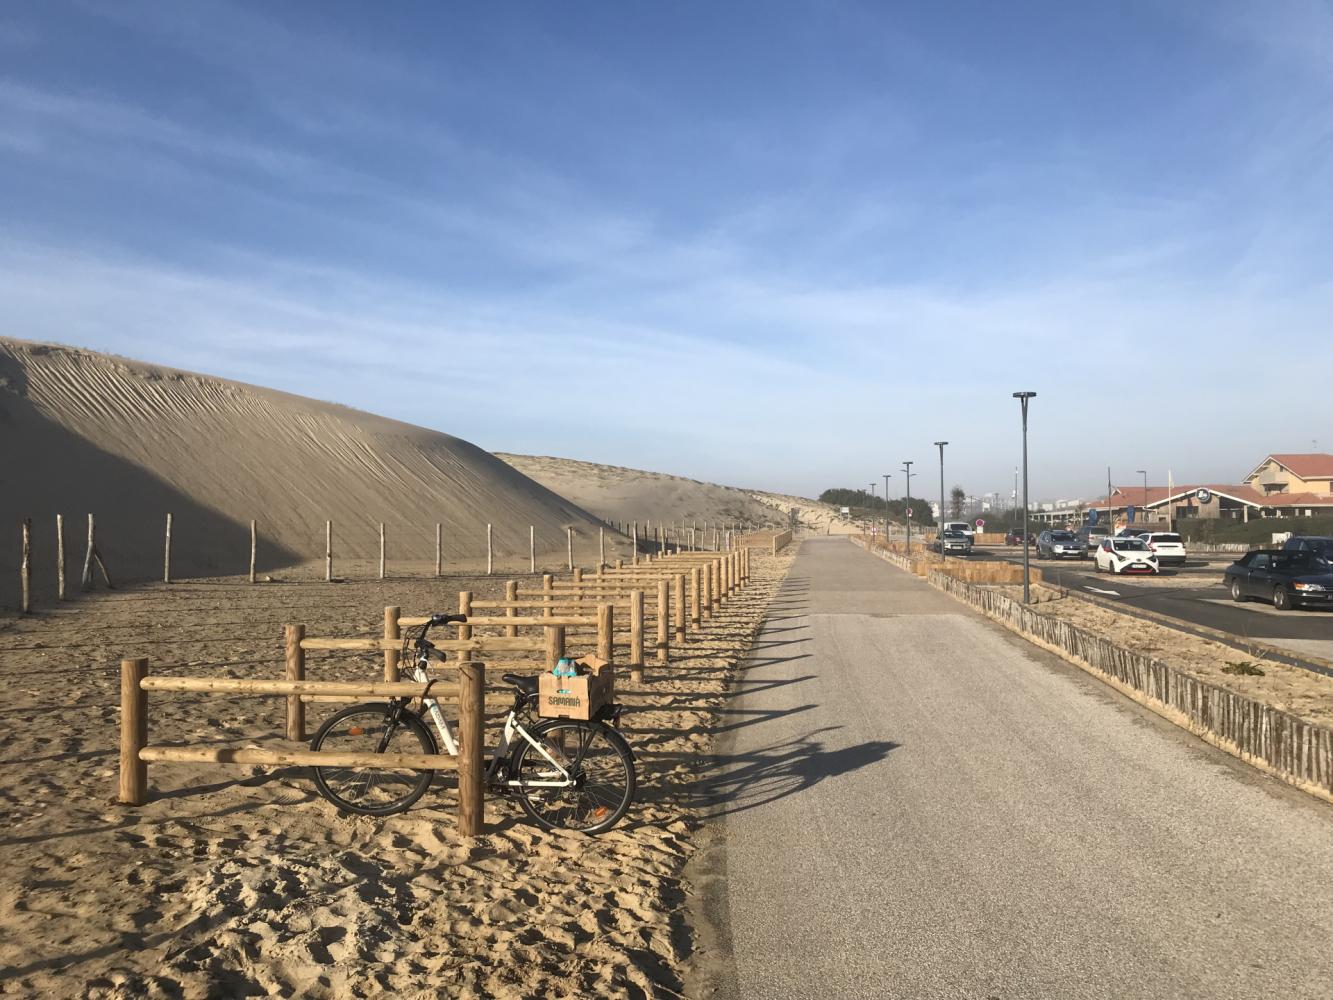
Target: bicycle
565 773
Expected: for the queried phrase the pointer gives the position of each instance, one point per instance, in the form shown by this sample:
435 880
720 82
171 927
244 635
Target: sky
780 245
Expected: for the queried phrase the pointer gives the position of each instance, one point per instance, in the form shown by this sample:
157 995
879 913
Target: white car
1123 554
962 526
1167 546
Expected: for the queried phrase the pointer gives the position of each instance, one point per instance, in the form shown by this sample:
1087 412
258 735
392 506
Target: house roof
1155 496
1310 465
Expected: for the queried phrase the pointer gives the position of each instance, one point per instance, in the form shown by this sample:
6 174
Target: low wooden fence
922 562
1298 751
136 753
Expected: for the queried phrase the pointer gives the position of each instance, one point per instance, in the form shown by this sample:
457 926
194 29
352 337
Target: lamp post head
940 444
1024 395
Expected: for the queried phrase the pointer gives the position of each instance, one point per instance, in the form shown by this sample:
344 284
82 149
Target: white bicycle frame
511 727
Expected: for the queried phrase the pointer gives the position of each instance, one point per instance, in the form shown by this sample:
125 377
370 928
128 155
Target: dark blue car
1290 578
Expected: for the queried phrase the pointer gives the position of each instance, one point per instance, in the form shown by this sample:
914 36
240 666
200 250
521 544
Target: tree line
862 503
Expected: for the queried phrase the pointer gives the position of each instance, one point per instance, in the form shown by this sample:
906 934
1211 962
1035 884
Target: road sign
1130 513
909 511
981 523
1092 517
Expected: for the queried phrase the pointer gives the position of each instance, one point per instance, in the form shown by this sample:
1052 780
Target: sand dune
621 494
129 442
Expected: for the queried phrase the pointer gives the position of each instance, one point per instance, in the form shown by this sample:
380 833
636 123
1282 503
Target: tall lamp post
886 507
939 528
1144 507
872 508
908 467
1023 398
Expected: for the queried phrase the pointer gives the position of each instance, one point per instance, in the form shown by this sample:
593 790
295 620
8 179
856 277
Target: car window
1259 561
1061 536
1165 537
1130 545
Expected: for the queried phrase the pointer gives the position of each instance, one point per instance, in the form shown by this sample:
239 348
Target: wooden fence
136 753
1298 751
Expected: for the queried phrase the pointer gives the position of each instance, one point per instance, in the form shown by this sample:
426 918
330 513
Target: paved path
915 803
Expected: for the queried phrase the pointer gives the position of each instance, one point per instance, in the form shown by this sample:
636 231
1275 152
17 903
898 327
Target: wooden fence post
464 608
88 558
634 558
636 636
328 550
381 550
678 603
532 549
601 548
394 633
555 644
133 732
569 540
439 549
254 547
295 664
490 552
471 716
60 557
606 631
548 594
166 554
696 597
511 594
25 570
663 620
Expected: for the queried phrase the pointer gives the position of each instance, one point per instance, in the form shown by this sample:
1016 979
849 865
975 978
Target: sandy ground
234 881
1291 689
131 442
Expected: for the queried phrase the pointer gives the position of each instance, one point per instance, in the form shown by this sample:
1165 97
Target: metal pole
908 466
1023 398
939 528
886 506
1144 508
871 508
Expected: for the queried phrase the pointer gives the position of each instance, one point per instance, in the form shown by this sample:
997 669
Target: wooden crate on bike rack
577 697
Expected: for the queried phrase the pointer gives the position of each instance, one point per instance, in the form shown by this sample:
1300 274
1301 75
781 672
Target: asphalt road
914 803
1206 604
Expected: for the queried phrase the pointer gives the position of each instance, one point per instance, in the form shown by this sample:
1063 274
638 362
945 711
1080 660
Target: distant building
1293 475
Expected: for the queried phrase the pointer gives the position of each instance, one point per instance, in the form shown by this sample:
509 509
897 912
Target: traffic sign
909 511
981 523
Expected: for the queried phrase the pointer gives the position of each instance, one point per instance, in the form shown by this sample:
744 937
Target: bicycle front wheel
372 791
601 773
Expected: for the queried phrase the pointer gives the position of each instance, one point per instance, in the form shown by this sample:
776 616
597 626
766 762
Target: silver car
1060 545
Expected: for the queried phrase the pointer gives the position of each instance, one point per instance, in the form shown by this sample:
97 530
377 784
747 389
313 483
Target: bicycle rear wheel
372 791
598 760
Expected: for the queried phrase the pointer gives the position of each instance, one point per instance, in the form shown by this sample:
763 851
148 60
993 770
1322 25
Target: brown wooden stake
471 752
663 621
555 644
392 633
490 552
254 547
87 581
133 732
166 554
606 630
25 568
532 549
381 550
464 608
295 671
678 604
548 594
634 558
569 541
511 594
620 564
696 597
601 548
60 557
636 636
439 549
101 568
328 550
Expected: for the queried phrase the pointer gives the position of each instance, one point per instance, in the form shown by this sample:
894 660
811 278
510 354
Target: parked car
1125 555
953 543
1060 545
1014 536
1092 535
962 526
1169 546
1290 578
1310 543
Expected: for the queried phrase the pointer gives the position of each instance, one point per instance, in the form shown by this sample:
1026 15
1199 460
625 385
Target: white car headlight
1313 587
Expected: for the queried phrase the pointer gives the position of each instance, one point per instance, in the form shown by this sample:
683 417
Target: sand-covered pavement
237 881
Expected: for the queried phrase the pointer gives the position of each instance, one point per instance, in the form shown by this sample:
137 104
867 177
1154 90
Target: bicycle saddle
525 685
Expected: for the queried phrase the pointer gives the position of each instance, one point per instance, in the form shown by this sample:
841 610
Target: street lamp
1144 508
871 509
939 527
886 507
1023 398
908 467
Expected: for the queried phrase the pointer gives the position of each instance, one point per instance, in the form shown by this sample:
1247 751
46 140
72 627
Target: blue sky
780 245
